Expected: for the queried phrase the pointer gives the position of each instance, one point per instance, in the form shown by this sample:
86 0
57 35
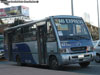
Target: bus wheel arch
53 62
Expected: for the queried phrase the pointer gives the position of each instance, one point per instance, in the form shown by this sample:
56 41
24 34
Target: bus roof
57 16
65 16
20 25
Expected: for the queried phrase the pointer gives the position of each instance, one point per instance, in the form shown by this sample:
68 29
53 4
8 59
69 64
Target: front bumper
77 58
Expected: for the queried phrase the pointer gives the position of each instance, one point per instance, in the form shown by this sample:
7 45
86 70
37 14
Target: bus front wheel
97 59
84 64
53 63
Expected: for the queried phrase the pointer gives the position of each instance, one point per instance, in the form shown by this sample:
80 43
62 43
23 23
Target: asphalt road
10 68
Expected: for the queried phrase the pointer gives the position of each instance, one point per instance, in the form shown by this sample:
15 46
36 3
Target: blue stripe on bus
23 50
76 43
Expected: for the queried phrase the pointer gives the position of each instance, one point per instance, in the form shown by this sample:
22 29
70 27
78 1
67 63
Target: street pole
72 7
98 18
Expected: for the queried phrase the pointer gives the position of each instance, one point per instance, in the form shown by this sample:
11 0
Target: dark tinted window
17 35
24 34
30 33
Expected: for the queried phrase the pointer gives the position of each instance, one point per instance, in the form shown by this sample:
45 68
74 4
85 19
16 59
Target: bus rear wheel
53 63
84 64
18 60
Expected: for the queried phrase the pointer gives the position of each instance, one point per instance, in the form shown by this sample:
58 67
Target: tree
93 31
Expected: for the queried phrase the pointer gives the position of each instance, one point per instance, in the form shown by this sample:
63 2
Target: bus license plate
81 56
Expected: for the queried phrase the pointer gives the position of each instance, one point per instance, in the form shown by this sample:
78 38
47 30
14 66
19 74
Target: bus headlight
65 50
90 48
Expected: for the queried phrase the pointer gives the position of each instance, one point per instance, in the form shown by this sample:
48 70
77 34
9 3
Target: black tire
3 58
84 64
97 59
18 60
53 63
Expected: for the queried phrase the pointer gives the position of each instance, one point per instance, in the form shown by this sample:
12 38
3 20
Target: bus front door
42 44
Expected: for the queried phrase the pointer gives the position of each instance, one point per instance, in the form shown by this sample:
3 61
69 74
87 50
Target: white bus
54 41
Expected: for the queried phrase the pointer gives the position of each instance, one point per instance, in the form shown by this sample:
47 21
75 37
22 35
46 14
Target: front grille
78 48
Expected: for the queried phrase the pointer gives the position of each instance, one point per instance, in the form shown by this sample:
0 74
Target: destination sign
68 20
78 21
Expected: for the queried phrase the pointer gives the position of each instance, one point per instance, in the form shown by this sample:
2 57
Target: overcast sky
84 8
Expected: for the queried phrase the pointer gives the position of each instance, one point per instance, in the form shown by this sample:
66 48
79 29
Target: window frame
55 40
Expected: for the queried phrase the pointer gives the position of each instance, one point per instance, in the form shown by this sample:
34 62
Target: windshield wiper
66 38
76 37
69 38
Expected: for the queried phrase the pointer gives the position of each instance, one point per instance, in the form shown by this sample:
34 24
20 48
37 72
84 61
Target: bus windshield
71 29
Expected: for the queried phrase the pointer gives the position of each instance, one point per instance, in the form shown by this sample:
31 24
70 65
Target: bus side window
30 33
33 32
50 33
18 35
